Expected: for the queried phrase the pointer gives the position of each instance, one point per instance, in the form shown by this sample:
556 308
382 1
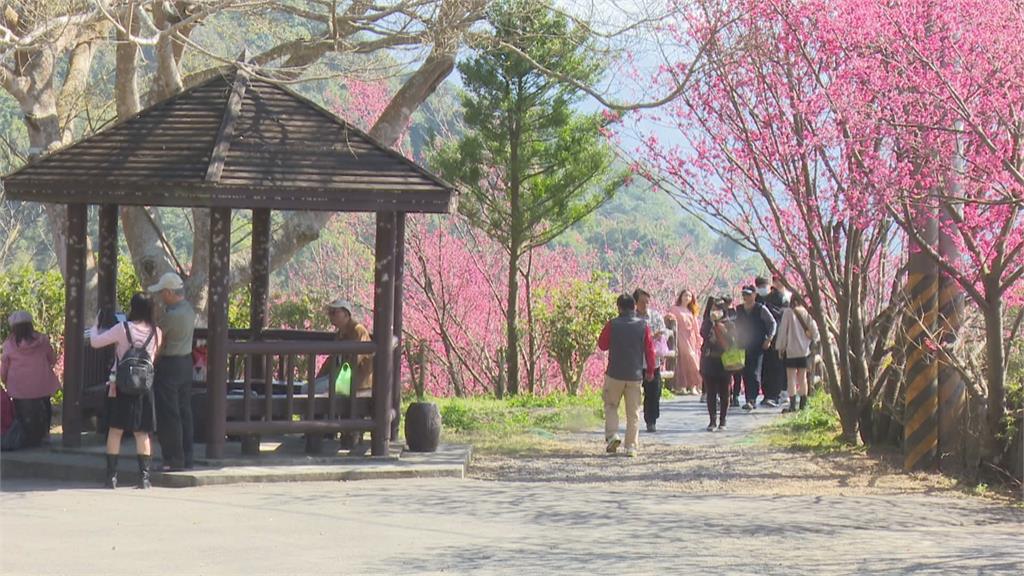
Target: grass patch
519 424
816 428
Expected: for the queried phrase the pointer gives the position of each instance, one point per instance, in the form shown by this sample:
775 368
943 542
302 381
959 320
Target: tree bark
126 84
996 378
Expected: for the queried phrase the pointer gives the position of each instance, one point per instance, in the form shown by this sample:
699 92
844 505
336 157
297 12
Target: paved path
468 526
546 525
684 421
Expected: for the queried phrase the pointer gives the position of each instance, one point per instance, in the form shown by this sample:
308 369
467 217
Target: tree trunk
531 337
995 378
511 322
126 82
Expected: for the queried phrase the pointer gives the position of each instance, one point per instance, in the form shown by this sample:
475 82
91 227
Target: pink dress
687 349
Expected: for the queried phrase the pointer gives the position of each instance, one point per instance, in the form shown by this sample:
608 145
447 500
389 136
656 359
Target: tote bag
733 359
343 383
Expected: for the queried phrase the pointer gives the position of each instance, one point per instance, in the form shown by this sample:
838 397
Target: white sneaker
631 452
613 444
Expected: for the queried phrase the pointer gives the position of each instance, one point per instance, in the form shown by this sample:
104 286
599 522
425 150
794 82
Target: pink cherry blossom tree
932 99
759 155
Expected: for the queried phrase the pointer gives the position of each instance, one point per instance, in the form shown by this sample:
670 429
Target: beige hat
169 281
341 303
19 317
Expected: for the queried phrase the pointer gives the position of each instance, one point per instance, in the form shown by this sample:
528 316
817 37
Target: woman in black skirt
134 414
796 336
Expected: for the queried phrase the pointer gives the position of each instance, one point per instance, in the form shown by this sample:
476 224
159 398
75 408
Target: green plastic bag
343 383
733 359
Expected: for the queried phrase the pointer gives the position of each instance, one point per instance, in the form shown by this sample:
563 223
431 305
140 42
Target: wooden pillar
259 290
107 262
259 286
383 330
74 324
396 361
217 321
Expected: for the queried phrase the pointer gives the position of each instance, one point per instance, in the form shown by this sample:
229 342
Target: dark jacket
629 344
755 327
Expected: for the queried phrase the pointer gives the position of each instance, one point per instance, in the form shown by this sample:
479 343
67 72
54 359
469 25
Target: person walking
659 334
132 413
687 376
796 338
630 347
173 383
718 331
773 378
737 377
26 369
756 330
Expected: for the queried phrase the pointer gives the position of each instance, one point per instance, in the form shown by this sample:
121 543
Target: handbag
733 359
661 347
343 383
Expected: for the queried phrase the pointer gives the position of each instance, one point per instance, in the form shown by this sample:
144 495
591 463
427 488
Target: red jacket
604 342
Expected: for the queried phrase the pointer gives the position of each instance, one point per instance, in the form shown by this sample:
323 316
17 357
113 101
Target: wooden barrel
422 427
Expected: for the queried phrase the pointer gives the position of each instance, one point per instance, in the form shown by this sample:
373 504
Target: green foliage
40 293
127 282
531 165
571 318
488 419
817 428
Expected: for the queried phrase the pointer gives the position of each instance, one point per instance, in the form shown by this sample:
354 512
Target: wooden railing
276 376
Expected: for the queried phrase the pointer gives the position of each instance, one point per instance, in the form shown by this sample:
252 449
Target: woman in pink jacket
133 414
26 368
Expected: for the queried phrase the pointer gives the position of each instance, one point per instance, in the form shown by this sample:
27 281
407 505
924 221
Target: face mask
762 291
716 315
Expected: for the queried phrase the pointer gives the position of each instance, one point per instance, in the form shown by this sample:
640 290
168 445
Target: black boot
803 402
110 479
144 472
792 405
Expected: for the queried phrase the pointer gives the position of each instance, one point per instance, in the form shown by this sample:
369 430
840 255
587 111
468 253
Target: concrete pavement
474 527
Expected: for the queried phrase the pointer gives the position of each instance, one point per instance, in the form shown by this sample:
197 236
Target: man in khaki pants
627 339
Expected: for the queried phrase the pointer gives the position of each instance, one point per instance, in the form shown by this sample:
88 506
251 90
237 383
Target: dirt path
684 458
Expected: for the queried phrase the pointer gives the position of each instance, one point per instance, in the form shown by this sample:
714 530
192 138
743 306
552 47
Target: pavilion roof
234 141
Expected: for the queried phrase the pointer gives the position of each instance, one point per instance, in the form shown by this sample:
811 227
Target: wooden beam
287 196
227 126
320 427
217 321
396 362
74 324
107 261
383 330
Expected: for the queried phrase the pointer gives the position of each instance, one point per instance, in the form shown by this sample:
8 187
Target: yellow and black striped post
920 429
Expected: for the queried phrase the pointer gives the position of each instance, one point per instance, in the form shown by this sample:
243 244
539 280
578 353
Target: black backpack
135 368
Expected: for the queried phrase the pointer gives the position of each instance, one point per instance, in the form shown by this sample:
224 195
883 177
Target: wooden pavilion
238 142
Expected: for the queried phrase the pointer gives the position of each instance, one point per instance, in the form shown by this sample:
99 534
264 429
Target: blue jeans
752 373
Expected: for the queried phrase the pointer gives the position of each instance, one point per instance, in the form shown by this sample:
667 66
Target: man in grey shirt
173 380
